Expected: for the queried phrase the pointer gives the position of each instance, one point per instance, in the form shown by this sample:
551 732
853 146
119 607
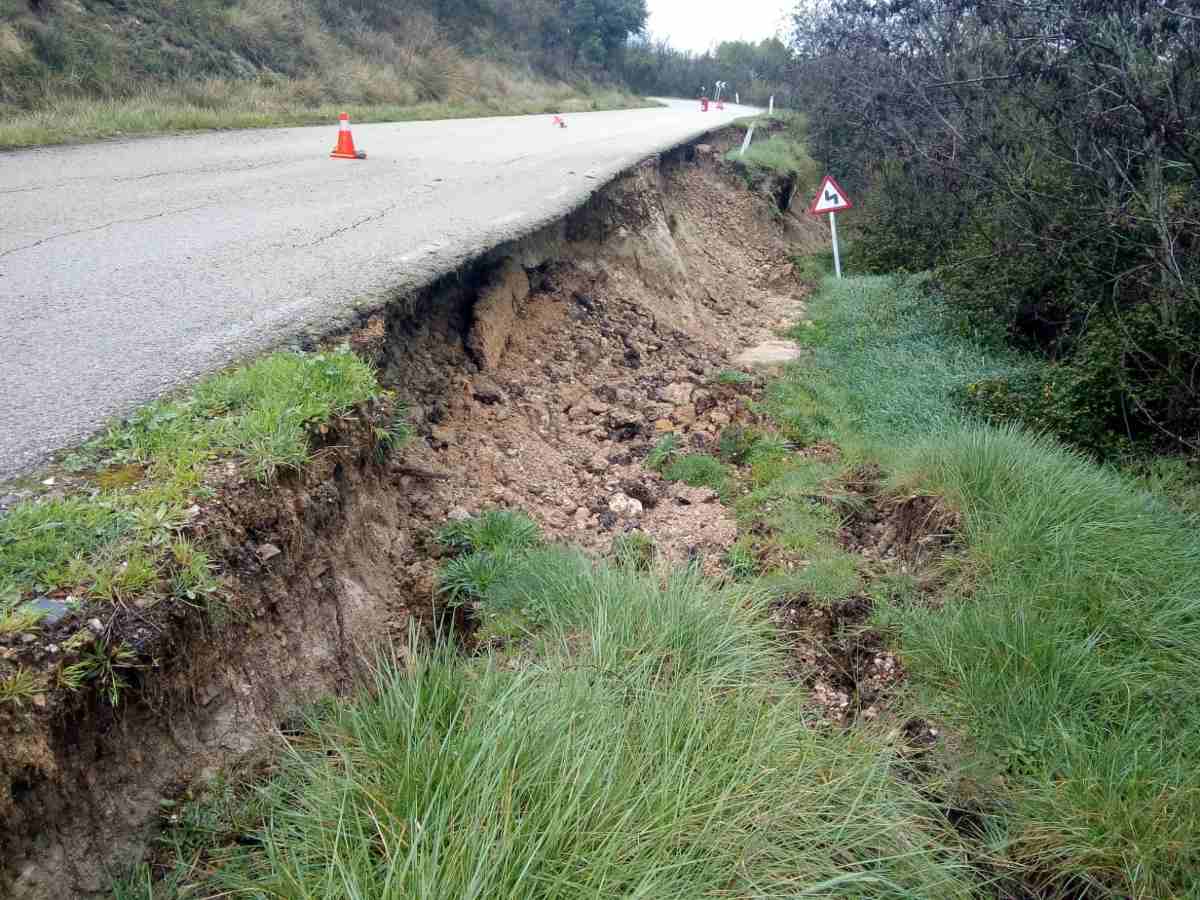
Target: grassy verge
777 149
1064 655
116 535
267 104
639 740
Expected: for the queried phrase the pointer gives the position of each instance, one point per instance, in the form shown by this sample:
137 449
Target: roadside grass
779 152
121 538
269 104
1068 665
646 744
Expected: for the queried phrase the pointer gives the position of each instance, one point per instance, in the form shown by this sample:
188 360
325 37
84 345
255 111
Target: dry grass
224 104
83 74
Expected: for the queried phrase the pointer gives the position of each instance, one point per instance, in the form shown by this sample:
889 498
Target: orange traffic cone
345 145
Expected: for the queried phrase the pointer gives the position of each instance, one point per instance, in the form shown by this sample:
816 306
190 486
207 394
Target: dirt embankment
538 378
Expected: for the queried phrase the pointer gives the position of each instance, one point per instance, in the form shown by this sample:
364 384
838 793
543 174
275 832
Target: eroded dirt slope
538 379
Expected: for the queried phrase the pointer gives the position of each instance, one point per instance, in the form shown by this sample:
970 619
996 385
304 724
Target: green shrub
494 531
662 452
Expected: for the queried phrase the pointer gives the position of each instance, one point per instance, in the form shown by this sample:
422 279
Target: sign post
831 199
771 108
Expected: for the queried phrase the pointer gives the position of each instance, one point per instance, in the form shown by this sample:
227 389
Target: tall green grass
1066 659
647 745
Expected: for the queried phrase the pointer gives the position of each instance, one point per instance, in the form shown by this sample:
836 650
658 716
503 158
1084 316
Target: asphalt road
129 268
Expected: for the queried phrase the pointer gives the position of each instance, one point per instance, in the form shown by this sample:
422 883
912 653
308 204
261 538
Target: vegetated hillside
1045 161
79 68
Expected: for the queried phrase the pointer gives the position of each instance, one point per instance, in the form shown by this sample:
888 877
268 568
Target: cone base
336 155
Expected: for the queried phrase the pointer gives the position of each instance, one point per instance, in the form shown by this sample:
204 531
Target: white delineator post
771 109
749 138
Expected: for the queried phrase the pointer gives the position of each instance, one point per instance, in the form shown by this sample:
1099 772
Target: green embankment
1064 656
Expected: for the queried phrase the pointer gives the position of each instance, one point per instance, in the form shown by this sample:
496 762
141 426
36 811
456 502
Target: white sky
698 24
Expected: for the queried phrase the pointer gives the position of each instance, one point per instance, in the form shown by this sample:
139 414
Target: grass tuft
665 450
20 686
697 470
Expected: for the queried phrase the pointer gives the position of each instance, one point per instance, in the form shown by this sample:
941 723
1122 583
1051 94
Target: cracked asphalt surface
130 268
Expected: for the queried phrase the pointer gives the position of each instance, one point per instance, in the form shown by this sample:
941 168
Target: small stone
685 495
28 638
571 394
513 452
95 626
458 514
488 391
624 505
39 700
53 611
267 552
662 426
598 463
597 407
443 435
684 415
677 394
49 482
52 649
719 418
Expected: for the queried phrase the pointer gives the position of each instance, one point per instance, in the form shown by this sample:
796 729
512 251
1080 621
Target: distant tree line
1043 158
756 71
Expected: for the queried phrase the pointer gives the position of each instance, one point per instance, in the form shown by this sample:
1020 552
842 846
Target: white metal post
749 138
771 110
837 259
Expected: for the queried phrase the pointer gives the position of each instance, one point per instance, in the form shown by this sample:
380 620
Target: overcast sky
698 24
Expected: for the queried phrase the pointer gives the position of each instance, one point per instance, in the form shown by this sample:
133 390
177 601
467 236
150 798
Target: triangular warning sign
830 198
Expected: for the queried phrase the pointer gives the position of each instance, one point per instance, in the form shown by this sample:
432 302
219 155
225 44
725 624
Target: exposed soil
537 379
849 666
